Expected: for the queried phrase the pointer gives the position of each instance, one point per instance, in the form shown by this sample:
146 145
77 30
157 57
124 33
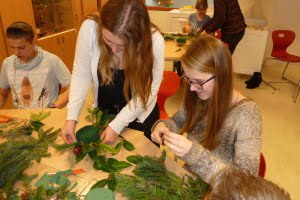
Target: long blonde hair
209 55
234 184
129 20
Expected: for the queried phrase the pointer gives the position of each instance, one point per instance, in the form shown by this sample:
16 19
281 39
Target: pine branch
152 181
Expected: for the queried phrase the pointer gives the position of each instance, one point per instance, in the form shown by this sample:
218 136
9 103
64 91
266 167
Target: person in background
223 127
233 184
123 56
229 18
33 75
196 20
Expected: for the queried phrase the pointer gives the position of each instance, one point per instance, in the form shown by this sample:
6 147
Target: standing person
124 58
223 126
33 75
229 18
196 20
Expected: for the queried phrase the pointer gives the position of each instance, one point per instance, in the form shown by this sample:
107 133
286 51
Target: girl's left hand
179 144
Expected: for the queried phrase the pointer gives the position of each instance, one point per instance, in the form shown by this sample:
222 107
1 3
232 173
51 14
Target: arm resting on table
63 97
3 96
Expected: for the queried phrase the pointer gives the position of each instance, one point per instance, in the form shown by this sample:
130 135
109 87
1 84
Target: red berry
77 150
24 196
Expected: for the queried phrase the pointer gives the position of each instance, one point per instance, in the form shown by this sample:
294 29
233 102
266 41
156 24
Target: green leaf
37 125
27 179
135 159
14 197
100 194
118 165
79 157
26 130
101 161
93 155
100 184
108 148
112 184
106 168
118 148
128 146
98 118
40 116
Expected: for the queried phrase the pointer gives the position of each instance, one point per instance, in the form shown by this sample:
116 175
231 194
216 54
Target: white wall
161 19
280 14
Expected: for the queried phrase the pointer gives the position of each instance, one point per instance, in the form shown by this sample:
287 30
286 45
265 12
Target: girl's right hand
68 131
157 133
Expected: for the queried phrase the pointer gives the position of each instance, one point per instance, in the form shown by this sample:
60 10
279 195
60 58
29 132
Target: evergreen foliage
152 181
18 127
40 193
20 149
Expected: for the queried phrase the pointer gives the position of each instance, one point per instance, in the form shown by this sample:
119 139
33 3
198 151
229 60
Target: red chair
169 86
218 34
282 39
262 166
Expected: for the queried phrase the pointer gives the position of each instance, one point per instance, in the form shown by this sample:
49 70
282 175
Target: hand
186 29
199 29
68 132
109 135
203 33
157 133
179 144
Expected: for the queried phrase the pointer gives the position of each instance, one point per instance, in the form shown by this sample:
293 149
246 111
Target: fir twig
20 149
152 181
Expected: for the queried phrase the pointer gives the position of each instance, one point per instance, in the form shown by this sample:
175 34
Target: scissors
5 118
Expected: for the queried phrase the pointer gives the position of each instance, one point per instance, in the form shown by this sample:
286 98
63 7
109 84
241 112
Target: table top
60 162
173 52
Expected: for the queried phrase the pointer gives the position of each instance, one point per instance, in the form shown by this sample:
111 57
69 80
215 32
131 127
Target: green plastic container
181 40
88 134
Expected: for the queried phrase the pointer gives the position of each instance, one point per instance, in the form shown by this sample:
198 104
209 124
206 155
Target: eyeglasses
198 86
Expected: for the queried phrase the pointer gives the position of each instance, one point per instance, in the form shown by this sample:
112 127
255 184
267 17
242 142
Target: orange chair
169 86
262 166
282 39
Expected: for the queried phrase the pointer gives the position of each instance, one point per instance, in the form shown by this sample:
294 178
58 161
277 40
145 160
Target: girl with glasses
122 54
223 127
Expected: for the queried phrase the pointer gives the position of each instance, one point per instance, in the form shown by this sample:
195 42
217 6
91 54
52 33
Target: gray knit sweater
240 143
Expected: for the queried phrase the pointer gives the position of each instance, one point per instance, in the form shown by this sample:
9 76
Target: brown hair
19 30
129 20
202 3
233 184
208 55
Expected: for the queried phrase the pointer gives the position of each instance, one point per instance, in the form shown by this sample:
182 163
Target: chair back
282 39
262 166
168 87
